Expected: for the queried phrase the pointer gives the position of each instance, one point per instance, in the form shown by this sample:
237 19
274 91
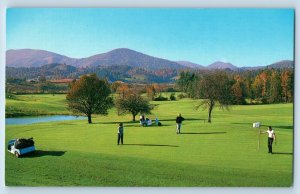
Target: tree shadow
186 119
273 126
41 153
202 133
279 126
116 123
162 145
283 153
129 124
137 121
154 125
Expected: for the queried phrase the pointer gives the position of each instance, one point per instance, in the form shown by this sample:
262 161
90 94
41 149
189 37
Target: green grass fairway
36 104
223 153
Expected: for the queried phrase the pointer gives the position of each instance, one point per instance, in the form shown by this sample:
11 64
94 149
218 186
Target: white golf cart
19 147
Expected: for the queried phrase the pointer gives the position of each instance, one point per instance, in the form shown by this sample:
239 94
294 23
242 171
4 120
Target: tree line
248 87
91 95
112 73
224 88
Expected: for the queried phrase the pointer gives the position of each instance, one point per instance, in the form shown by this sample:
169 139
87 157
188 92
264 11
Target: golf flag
257 125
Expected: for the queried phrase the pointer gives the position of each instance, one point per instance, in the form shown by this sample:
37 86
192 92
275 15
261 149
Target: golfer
120 133
271 138
179 120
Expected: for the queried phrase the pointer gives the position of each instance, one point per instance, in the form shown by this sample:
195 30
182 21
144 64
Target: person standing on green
179 120
120 133
271 138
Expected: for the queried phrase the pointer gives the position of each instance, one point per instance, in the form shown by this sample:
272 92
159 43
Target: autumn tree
116 85
90 95
216 87
275 88
239 91
122 90
133 103
186 82
287 86
151 92
260 87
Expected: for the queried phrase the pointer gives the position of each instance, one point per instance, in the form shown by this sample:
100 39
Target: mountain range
119 64
121 56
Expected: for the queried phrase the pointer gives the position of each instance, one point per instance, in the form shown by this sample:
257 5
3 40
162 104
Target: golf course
225 152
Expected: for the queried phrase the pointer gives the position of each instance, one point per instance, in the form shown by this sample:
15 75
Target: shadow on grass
129 124
162 145
273 126
282 127
138 122
154 125
116 123
41 153
203 133
186 119
283 153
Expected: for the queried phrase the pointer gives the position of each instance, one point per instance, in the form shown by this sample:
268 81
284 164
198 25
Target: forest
241 87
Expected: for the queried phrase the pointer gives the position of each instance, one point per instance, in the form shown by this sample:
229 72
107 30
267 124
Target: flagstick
258 139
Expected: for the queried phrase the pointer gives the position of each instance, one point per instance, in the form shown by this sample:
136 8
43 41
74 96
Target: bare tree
214 89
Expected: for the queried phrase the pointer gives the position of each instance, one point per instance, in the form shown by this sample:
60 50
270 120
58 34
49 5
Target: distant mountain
112 73
222 65
282 64
251 68
34 58
277 65
51 70
190 65
122 56
118 57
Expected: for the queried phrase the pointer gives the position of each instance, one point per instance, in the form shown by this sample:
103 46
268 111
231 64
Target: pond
41 119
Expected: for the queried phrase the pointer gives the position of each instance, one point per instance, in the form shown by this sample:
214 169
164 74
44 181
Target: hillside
127 57
34 58
120 64
190 65
222 65
113 73
122 56
282 64
117 57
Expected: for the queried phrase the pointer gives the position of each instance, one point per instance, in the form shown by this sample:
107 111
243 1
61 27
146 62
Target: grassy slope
223 153
33 104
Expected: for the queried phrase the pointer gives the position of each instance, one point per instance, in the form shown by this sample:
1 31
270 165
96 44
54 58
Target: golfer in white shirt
271 138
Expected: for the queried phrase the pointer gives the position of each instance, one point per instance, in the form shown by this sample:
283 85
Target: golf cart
21 146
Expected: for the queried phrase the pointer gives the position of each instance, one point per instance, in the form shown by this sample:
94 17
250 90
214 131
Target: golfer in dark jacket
120 133
179 120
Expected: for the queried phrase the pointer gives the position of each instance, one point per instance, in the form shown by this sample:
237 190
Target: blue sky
244 37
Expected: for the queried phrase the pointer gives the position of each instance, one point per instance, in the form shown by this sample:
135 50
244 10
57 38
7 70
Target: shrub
171 90
180 96
160 98
172 97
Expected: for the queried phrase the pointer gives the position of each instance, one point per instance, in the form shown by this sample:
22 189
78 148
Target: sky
243 37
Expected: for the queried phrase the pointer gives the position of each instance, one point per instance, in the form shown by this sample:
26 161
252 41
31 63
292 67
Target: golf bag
24 143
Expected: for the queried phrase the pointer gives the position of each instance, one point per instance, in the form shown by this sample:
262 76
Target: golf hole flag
256 125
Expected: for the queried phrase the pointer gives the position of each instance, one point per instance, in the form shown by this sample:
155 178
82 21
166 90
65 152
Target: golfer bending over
271 138
179 120
120 133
